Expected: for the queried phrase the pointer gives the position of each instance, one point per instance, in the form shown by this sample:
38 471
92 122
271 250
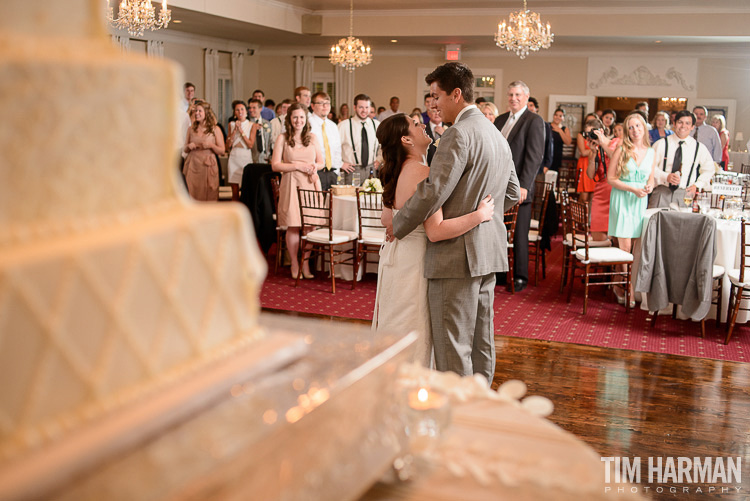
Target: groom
472 160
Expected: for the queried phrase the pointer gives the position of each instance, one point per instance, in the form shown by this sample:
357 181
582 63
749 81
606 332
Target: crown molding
710 8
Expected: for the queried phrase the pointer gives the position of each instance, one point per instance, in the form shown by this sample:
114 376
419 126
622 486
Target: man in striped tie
327 134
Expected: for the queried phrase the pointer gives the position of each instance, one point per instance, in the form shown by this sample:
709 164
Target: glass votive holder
427 416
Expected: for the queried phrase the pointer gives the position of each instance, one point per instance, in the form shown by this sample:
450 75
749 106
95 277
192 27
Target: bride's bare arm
438 229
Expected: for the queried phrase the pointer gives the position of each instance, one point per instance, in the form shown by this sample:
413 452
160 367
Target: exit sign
453 52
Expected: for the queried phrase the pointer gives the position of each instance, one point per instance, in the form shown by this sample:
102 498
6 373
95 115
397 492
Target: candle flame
422 395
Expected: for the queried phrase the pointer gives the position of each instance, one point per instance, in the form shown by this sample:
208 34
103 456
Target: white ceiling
719 26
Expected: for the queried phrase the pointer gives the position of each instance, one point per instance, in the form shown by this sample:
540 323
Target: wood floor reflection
637 404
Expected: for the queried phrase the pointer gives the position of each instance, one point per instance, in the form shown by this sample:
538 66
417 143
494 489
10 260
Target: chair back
275 189
510 222
542 192
369 210
745 169
567 177
564 210
578 213
744 249
316 209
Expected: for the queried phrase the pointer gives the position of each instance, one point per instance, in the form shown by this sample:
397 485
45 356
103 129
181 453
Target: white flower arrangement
372 185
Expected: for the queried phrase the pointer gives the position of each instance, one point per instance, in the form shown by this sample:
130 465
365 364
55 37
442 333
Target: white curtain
344 81
155 48
211 77
122 43
238 61
303 71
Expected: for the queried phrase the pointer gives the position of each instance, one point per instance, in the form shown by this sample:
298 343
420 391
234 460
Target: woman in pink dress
720 124
298 156
600 154
204 141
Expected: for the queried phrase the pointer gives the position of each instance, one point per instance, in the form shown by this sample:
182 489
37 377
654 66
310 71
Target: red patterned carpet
536 313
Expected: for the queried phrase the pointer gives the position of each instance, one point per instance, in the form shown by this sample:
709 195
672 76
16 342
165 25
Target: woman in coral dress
204 141
631 174
585 183
601 152
298 156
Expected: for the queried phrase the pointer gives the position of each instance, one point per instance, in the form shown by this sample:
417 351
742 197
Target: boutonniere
437 142
265 126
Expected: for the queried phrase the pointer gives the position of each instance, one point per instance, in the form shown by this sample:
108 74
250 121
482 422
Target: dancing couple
437 276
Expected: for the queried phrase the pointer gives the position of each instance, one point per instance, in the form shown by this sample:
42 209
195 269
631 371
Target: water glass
356 179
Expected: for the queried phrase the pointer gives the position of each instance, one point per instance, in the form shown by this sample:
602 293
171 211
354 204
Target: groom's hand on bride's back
386 218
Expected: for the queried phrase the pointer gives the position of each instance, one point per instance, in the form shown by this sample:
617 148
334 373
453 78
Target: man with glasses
329 140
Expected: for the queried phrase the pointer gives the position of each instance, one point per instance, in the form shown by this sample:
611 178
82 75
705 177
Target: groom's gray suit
472 161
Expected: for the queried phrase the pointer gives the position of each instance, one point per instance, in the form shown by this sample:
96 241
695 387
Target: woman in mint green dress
631 174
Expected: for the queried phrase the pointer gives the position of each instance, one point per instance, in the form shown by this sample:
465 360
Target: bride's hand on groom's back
486 208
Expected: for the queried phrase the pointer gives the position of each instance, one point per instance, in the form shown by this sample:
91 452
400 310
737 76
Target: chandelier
137 16
523 33
350 52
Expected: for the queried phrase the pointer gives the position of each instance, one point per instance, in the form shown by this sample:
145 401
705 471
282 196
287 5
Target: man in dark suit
524 131
533 106
435 130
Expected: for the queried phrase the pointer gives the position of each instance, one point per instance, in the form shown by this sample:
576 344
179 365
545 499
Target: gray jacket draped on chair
677 257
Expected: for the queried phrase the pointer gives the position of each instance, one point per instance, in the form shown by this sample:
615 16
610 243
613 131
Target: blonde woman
660 127
720 124
489 110
204 141
631 174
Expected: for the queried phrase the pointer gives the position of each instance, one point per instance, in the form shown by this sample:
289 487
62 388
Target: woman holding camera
601 151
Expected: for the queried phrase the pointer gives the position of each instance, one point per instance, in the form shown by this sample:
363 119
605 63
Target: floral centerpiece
372 185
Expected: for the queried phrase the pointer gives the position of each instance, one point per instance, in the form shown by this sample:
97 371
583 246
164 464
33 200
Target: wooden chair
739 286
371 230
567 177
316 211
542 192
510 227
569 243
590 259
745 169
280 230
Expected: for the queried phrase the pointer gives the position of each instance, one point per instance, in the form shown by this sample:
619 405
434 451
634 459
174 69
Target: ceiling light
523 33
350 52
137 16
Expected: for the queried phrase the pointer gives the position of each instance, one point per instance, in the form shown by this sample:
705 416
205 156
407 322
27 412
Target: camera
590 135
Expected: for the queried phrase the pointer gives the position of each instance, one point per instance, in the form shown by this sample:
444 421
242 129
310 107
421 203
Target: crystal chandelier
137 16
523 33
350 52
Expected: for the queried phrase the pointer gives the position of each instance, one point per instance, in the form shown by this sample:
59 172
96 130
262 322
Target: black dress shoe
520 284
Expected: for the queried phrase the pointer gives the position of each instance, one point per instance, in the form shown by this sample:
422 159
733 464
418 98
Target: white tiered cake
113 284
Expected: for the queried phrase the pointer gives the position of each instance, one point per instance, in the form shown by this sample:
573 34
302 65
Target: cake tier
95 135
91 320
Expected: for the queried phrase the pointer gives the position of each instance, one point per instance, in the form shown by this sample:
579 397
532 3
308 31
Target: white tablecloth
727 255
345 218
738 158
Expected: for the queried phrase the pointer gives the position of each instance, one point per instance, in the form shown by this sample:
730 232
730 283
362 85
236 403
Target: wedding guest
242 136
277 124
343 113
394 103
261 148
619 131
298 156
704 133
720 124
631 174
416 114
327 134
642 108
533 106
660 127
266 113
695 166
428 104
489 110
189 90
609 118
204 141
585 183
601 151
360 149
560 137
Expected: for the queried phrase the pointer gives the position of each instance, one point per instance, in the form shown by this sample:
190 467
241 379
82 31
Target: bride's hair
389 134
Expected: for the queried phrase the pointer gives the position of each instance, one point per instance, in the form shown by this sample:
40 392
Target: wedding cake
113 284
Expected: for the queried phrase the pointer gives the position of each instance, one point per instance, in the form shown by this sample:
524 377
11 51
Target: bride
401 298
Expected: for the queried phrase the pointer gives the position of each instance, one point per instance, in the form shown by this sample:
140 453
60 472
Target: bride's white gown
401 299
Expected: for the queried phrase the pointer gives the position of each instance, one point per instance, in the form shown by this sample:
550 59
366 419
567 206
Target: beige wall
388 75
